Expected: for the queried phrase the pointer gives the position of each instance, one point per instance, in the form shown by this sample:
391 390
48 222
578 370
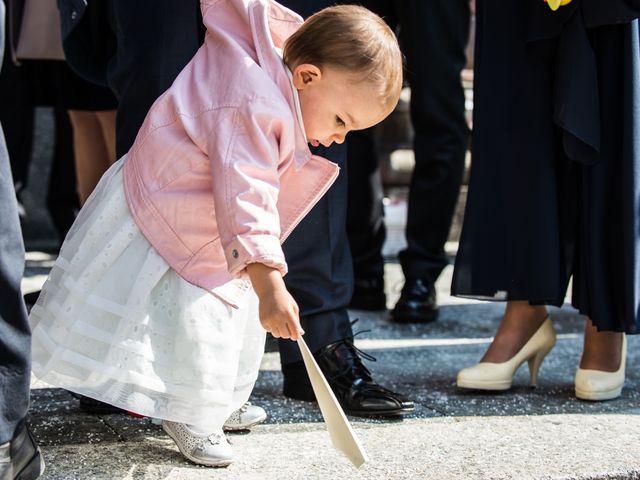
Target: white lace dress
114 322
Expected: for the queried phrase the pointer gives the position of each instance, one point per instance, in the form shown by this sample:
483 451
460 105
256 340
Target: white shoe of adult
212 450
596 385
499 376
245 417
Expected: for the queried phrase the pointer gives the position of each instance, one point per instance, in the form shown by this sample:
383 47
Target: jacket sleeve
246 185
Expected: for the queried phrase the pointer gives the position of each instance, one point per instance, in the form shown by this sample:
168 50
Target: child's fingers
274 332
295 330
287 327
281 331
273 329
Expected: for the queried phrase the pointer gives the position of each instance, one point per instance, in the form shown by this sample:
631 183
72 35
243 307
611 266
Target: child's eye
339 121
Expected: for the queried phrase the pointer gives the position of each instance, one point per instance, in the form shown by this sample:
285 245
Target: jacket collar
271 24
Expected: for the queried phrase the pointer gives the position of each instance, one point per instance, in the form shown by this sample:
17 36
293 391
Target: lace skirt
114 322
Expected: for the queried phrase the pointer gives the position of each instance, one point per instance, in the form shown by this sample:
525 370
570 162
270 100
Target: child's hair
353 39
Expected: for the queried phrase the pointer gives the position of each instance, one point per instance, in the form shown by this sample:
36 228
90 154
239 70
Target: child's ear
305 74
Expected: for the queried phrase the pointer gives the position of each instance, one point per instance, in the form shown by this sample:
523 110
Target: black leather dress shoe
417 303
20 459
368 294
350 381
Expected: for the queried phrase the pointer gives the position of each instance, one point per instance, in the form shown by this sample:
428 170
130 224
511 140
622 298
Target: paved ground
542 433
525 433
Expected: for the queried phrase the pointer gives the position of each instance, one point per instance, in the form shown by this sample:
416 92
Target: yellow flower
555 4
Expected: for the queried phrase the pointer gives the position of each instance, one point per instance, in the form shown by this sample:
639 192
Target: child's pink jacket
220 172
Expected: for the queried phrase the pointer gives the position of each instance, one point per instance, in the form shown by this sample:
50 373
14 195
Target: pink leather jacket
220 172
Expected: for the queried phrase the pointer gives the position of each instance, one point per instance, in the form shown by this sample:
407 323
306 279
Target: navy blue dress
555 178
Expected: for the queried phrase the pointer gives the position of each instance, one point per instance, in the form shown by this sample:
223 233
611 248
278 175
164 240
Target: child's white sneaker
245 417
212 450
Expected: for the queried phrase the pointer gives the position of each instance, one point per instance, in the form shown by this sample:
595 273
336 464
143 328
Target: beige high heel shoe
599 385
499 376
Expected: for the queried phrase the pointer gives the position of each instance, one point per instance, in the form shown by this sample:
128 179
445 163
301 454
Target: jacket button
74 14
234 253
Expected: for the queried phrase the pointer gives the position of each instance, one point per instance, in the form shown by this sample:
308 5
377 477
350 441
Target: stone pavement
542 433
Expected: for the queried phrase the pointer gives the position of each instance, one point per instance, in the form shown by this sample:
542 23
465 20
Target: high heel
599 385
499 376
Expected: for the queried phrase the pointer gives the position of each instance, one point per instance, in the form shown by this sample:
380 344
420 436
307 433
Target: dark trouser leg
434 36
17 104
365 214
320 274
155 41
320 279
62 196
365 221
15 335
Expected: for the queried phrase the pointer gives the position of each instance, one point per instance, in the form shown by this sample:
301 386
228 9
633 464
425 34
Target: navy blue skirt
555 180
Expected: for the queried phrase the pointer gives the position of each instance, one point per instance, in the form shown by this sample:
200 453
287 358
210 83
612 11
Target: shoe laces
350 343
366 386
356 367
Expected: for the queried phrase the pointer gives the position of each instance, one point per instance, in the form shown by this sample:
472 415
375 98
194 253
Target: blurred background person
433 35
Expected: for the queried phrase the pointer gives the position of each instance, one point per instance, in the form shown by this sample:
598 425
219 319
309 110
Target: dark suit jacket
87 38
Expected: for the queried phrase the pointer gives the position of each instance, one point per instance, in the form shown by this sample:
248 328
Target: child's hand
279 313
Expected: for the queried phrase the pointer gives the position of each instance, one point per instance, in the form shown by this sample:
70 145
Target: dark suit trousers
155 40
320 274
433 36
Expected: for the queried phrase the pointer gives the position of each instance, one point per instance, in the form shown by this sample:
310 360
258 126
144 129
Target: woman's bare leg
94 148
107 119
602 350
519 323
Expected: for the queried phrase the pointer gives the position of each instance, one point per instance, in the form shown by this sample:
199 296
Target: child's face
332 105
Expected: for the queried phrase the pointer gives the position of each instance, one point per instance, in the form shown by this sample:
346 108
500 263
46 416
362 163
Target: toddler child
173 270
